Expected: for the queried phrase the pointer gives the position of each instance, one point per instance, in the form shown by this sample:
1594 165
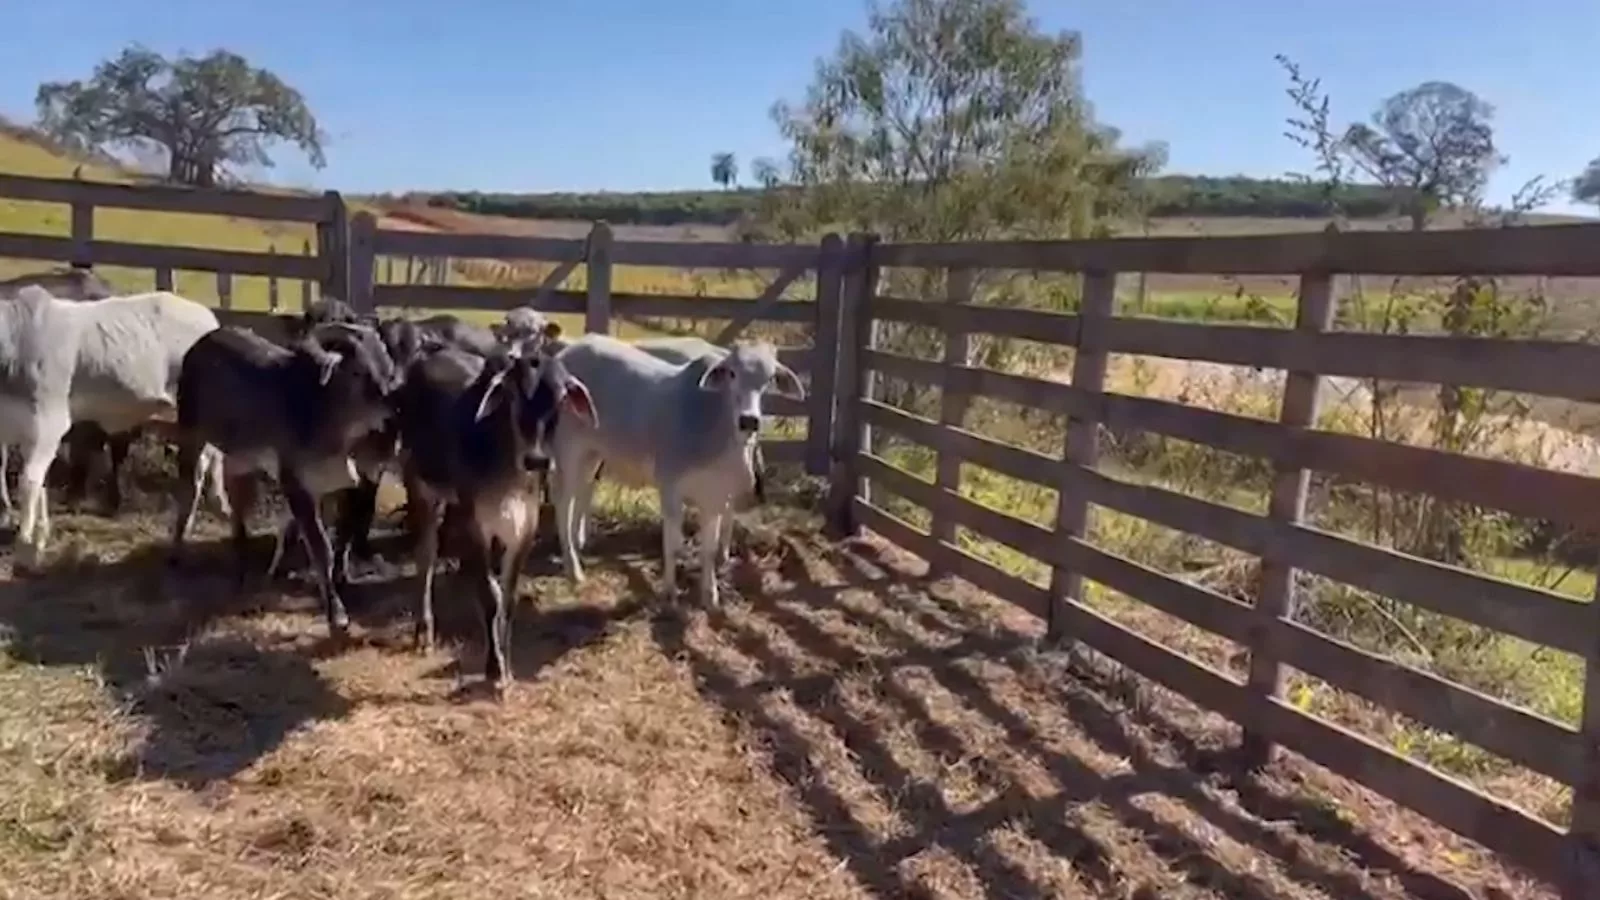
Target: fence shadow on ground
953 777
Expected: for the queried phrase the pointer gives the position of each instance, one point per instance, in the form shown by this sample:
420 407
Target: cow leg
569 477
288 534
5 480
585 503
190 473
725 536
671 539
33 535
314 536
82 443
427 514
355 528
495 558
211 468
242 488
710 544
117 445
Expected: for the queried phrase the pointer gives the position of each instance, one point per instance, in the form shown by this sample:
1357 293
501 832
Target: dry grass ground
842 727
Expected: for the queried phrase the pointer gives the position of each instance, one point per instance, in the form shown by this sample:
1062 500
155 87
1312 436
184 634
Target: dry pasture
845 726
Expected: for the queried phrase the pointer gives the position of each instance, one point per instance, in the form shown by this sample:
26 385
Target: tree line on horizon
1165 196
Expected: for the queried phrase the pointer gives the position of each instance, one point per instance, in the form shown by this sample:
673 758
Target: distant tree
208 115
1586 187
725 169
765 171
1433 143
953 119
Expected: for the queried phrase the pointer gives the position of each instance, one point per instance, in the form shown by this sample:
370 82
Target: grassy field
846 727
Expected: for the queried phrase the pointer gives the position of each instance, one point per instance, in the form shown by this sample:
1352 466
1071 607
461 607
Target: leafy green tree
953 120
1433 143
208 115
1586 187
725 169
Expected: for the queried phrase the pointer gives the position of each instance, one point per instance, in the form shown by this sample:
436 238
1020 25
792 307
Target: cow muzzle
749 424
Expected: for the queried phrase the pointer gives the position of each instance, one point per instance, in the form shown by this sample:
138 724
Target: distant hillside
1170 196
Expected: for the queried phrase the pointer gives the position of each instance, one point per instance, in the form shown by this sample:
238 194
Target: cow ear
552 330
577 400
486 402
716 378
787 383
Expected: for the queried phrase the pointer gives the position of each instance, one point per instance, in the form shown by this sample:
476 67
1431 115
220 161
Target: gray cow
689 430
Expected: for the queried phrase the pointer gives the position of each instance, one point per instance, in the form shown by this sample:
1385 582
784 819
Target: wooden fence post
1287 504
305 286
1083 437
855 317
333 236
225 290
597 312
953 401
272 282
825 355
363 241
163 279
82 235
1583 834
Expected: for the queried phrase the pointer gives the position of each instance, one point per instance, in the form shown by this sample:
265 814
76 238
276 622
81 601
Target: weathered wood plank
157 256
953 401
1291 483
1552 368
1195 605
1030 324
1073 511
484 246
433 296
826 334
708 255
1540 616
954 561
1518 735
759 305
165 198
597 308
1553 250
1523 839
860 283
670 305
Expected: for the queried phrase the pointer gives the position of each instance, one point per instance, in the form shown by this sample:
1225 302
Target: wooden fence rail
843 315
1284 543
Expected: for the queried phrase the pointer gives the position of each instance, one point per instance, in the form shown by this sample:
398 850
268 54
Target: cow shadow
176 649
841 648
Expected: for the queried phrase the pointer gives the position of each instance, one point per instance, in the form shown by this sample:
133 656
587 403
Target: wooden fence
1283 542
327 267
842 414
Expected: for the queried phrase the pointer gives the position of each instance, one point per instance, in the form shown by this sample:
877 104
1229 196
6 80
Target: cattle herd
475 421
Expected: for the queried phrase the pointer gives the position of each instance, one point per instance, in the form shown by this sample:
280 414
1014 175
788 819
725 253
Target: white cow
689 430
112 361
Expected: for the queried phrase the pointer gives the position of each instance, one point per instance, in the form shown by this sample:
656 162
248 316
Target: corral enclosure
1002 481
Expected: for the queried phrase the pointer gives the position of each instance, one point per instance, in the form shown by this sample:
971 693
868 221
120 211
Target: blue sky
633 94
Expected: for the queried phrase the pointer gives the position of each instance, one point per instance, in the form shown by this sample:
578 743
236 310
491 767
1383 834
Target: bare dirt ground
842 727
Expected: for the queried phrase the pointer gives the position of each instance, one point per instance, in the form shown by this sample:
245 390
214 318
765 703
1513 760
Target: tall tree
207 115
1433 143
1586 187
725 169
953 119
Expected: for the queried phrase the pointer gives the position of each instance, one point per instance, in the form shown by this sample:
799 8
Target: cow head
748 371
355 367
526 331
536 389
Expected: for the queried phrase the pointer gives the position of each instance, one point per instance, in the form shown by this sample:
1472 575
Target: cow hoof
25 558
422 640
